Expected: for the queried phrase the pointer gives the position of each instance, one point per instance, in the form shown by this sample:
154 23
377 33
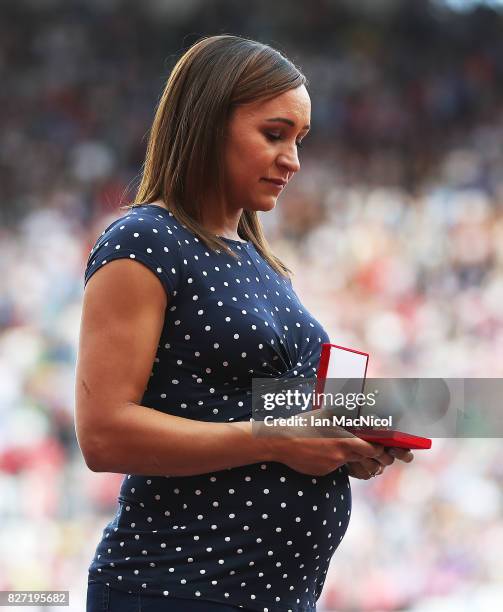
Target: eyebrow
288 122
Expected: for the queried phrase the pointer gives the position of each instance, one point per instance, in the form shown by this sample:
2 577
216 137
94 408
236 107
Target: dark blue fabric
102 598
259 536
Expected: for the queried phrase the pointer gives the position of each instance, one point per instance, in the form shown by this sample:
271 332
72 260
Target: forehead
294 104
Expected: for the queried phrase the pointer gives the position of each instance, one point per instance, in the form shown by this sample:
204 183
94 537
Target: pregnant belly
250 510
262 528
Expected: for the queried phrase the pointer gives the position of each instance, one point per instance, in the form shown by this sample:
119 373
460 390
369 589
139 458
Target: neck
224 225
221 220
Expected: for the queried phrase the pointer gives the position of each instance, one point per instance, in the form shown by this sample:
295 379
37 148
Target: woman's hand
313 450
368 468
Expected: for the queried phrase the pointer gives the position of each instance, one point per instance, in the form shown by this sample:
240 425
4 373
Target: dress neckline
231 240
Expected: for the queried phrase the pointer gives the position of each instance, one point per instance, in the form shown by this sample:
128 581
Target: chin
263 206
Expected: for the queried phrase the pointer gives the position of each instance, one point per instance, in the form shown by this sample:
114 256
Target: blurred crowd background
393 228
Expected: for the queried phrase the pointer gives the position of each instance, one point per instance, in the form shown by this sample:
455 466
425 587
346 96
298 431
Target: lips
279 182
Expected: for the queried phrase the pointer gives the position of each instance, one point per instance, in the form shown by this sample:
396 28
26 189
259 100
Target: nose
289 160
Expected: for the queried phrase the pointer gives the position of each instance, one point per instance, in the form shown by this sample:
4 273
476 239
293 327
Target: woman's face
262 144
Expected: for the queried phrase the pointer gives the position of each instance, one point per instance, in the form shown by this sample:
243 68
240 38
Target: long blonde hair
185 152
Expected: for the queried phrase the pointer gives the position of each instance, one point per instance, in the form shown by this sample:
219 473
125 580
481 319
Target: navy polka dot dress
260 536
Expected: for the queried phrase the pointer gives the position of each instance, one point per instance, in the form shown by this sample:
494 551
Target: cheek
240 174
249 160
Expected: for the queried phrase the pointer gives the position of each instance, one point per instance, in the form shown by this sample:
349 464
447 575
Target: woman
189 305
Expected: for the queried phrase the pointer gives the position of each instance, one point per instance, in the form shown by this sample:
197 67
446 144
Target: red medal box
344 363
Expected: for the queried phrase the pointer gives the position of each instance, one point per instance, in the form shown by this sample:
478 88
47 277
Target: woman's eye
274 137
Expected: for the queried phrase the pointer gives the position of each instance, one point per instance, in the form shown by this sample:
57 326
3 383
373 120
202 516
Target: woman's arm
122 319
149 442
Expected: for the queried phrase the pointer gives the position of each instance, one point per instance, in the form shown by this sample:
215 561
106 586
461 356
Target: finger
377 468
357 470
369 466
371 450
356 458
403 454
362 447
385 459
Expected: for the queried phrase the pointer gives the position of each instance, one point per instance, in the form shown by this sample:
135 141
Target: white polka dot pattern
260 536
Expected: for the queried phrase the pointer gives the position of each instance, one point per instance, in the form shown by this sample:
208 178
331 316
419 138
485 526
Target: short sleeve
148 239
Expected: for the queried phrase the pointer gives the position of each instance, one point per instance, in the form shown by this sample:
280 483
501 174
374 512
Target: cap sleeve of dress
145 237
